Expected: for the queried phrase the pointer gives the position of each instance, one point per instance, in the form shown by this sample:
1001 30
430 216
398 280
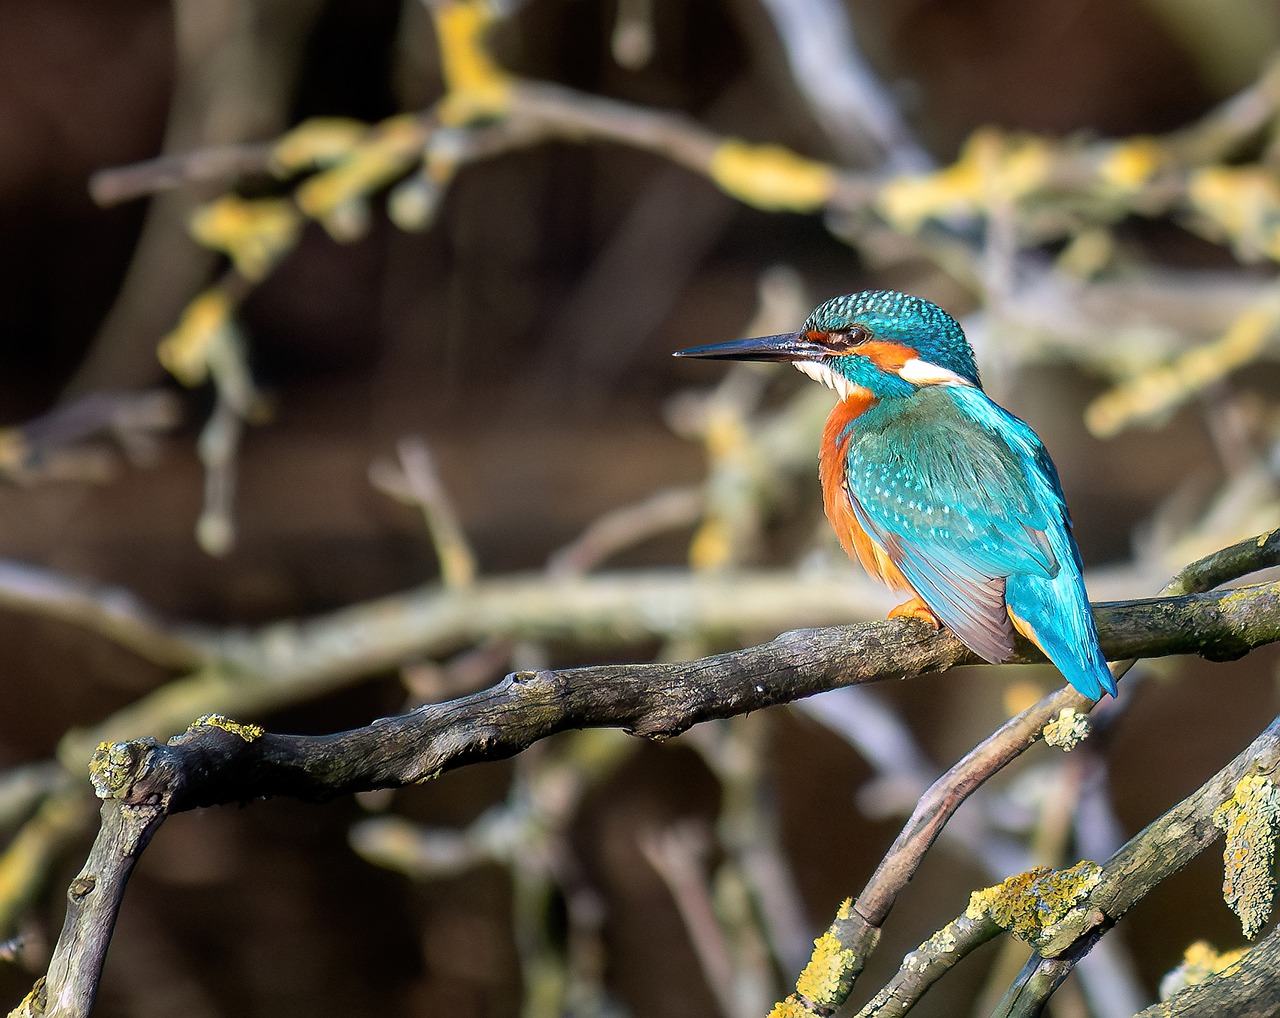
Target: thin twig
118 184
415 480
678 855
930 962
627 527
112 612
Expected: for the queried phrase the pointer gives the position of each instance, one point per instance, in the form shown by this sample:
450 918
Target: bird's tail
1055 615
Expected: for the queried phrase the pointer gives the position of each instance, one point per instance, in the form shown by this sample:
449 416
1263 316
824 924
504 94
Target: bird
935 489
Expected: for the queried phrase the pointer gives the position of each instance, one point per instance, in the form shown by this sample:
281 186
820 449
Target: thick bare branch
660 700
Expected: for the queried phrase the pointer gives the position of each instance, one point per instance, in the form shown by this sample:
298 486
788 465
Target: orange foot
915 609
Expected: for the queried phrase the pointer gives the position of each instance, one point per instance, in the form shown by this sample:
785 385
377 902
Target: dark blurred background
525 337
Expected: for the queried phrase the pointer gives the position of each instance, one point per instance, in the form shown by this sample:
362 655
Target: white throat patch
831 379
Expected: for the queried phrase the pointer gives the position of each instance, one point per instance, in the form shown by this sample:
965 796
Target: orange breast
837 501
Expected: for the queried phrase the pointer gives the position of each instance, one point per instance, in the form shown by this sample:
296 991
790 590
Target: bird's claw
915 609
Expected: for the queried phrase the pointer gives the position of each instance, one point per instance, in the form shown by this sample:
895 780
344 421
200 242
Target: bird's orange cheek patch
886 356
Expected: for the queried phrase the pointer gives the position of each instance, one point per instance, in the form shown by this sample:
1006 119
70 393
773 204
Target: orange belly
837 501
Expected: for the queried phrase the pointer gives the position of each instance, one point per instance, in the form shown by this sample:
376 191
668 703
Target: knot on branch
118 767
143 771
1047 908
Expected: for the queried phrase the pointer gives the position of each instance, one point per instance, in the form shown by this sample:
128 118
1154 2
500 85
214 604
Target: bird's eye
847 339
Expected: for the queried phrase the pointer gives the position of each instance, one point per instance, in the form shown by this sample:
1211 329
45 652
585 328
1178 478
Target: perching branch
660 700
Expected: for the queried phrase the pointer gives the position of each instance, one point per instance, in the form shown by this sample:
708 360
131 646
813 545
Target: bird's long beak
789 346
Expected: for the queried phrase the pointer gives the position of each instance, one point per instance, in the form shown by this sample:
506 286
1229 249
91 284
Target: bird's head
880 342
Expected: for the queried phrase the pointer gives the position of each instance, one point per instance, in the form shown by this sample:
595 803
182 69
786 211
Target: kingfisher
935 489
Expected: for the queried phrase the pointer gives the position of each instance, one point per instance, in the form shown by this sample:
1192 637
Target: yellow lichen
1251 821
1067 730
1159 390
983 900
992 167
254 234
1200 961
1130 164
823 979
792 1007
771 177
710 547
319 141
34 1002
476 86
185 352
1087 254
390 149
1047 908
1244 204
845 912
115 765
247 732
725 434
